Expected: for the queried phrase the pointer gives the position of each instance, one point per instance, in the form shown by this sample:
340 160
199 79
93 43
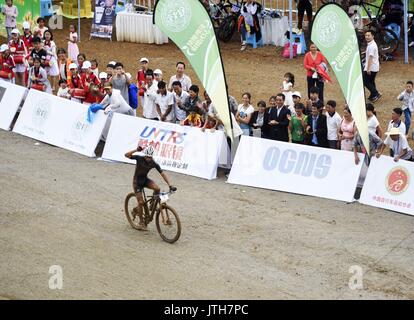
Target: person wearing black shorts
145 163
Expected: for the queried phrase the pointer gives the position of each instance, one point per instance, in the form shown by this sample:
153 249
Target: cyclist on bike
145 163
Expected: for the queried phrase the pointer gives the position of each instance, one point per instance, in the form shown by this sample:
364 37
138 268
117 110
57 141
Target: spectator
244 113
396 121
73 49
164 103
41 24
193 119
38 51
375 147
52 68
89 82
19 51
120 81
63 65
257 119
27 36
398 144
407 97
347 130
63 91
180 76
94 67
141 78
158 75
304 5
110 70
317 128
75 83
193 102
11 13
38 77
180 97
296 97
288 83
315 63
150 93
211 119
297 124
373 123
371 67
6 64
81 58
100 94
277 119
249 21
313 101
333 122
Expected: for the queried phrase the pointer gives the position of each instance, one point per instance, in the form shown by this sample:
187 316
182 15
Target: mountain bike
166 218
224 15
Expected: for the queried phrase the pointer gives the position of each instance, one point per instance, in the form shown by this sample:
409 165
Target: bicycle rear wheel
131 203
387 41
168 223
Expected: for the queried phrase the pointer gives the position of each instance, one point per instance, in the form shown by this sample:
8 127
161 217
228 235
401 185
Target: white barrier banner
11 96
295 168
60 122
178 148
389 185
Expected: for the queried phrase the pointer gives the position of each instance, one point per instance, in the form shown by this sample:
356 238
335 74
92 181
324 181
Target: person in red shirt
19 52
6 64
89 80
141 79
75 82
27 36
312 62
101 93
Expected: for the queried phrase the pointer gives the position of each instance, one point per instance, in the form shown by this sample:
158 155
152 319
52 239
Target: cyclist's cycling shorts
141 183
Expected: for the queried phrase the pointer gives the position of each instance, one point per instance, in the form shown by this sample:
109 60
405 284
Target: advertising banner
178 148
103 18
11 96
187 23
389 185
60 122
320 172
334 34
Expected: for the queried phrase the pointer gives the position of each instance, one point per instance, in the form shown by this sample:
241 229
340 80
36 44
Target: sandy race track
60 208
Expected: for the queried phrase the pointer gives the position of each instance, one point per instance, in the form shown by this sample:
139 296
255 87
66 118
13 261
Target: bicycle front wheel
131 210
168 223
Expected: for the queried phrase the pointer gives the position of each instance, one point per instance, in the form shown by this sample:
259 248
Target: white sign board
60 122
11 96
389 185
295 168
180 149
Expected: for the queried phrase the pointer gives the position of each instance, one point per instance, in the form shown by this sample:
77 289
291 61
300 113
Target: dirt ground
61 208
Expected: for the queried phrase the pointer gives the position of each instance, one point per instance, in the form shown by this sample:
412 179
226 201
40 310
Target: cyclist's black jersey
143 166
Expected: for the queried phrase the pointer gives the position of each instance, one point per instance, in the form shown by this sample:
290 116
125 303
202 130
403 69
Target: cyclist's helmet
149 151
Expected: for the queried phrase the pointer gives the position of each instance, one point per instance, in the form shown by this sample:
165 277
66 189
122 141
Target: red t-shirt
86 80
28 42
76 83
309 63
140 80
20 48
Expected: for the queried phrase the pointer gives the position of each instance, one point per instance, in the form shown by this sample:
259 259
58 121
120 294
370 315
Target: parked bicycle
166 218
225 15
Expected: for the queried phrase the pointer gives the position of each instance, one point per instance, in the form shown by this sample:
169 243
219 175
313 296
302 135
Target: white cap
296 93
157 71
112 63
26 25
103 75
128 75
144 60
73 66
86 65
4 47
15 31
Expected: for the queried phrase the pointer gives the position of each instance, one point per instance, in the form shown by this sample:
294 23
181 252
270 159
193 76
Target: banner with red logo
181 149
389 185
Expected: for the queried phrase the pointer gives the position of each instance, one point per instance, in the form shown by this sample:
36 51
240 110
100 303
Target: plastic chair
251 39
46 8
300 38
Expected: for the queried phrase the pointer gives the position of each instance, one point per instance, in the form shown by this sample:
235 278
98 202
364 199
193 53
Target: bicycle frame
152 204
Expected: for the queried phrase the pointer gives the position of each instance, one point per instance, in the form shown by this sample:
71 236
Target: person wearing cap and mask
398 143
11 12
6 64
18 51
113 103
27 36
141 78
89 83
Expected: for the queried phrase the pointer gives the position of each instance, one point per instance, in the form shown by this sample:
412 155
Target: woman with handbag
38 77
315 63
19 52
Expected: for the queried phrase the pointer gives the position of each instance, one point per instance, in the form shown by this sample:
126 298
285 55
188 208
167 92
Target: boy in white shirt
63 91
407 97
333 122
164 102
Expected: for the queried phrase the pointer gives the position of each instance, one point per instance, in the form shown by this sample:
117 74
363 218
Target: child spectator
38 77
88 82
52 68
288 83
27 36
19 52
11 12
63 91
41 23
94 67
73 49
6 64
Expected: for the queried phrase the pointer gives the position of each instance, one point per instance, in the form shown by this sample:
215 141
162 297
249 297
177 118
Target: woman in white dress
52 68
